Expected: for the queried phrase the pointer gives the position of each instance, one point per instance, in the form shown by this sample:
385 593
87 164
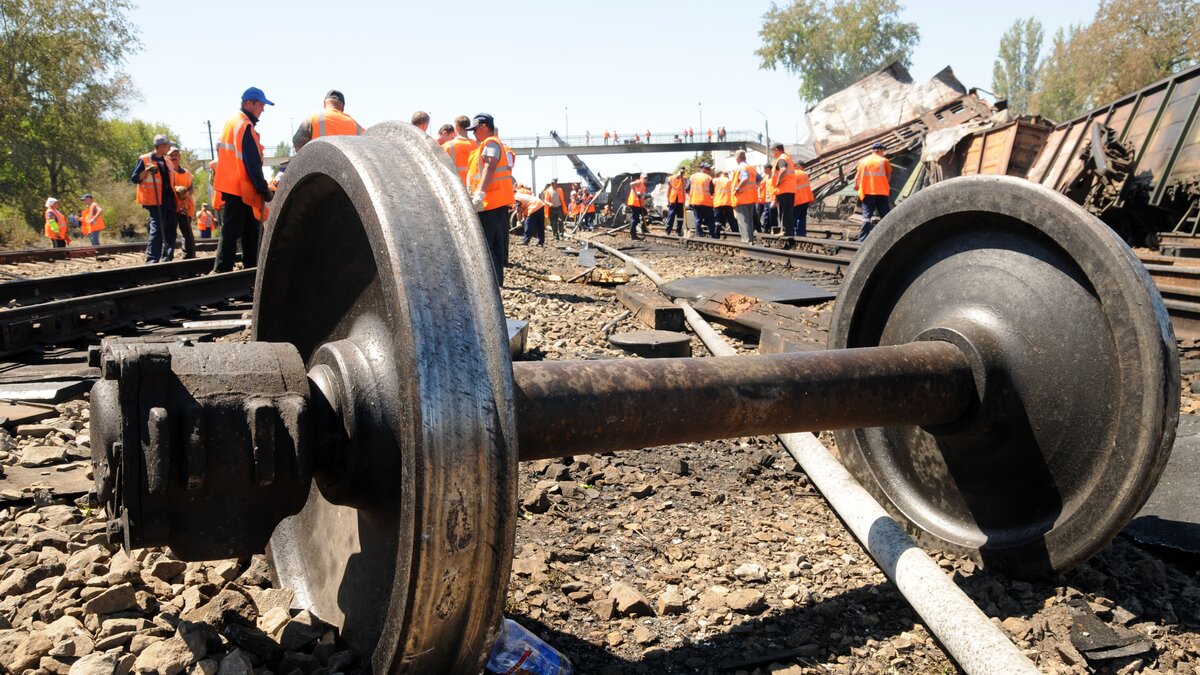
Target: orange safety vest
218 200
333 122
460 149
784 181
149 191
93 221
636 189
56 224
675 193
205 221
185 203
722 191
500 191
762 191
700 193
591 205
749 192
804 193
233 178
873 176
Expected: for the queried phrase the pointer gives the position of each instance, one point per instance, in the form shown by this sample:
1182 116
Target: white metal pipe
977 645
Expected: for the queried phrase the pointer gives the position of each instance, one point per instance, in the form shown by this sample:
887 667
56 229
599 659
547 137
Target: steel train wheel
415 572
1053 309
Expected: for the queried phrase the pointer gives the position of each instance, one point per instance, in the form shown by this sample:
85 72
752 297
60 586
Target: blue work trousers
706 224
161 246
872 206
675 212
535 226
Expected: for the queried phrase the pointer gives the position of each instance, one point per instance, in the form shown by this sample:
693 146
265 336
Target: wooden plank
778 339
797 324
651 309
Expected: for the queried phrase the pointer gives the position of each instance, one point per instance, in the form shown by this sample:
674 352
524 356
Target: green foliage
691 166
1014 74
1128 44
59 79
830 44
284 149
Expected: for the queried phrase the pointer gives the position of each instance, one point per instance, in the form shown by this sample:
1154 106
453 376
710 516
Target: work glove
477 200
267 196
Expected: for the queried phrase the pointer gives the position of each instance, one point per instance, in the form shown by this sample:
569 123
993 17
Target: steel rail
25 292
790 258
53 322
32 255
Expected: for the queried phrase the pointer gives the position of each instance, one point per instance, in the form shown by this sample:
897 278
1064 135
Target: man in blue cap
239 179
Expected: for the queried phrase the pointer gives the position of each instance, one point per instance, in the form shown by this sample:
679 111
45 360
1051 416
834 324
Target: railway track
84 316
34 255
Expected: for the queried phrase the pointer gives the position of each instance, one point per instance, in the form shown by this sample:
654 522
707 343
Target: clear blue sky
535 66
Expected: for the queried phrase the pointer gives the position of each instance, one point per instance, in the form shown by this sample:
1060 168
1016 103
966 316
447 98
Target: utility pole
212 151
700 106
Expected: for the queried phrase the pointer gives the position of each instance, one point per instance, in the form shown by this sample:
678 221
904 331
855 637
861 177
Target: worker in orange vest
873 180
675 198
92 220
745 196
557 203
722 201
184 203
331 120
56 225
460 147
155 179
205 221
804 197
637 205
589 211
533 211
783 184
241 184
490 183
700 197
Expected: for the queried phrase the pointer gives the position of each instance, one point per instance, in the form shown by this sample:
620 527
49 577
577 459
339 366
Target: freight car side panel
1169 133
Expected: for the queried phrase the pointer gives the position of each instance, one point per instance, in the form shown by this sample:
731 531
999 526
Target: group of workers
534 211
743 199
746 201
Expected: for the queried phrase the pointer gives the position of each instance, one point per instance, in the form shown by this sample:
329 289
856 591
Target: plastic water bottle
519 652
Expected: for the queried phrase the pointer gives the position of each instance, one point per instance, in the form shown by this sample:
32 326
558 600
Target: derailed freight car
1135 162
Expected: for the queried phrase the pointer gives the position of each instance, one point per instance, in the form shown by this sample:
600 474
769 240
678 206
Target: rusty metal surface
565 408
199 446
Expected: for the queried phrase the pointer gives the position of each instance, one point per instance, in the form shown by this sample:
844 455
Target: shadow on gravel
819 631
824 628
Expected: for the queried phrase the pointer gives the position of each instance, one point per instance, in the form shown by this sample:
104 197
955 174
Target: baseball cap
335 95
482 118
86 196
161 140
255 94
877 145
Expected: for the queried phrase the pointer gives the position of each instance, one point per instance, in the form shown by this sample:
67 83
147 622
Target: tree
284 149
1128 44
57 84
830 44
1014 74
691 166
